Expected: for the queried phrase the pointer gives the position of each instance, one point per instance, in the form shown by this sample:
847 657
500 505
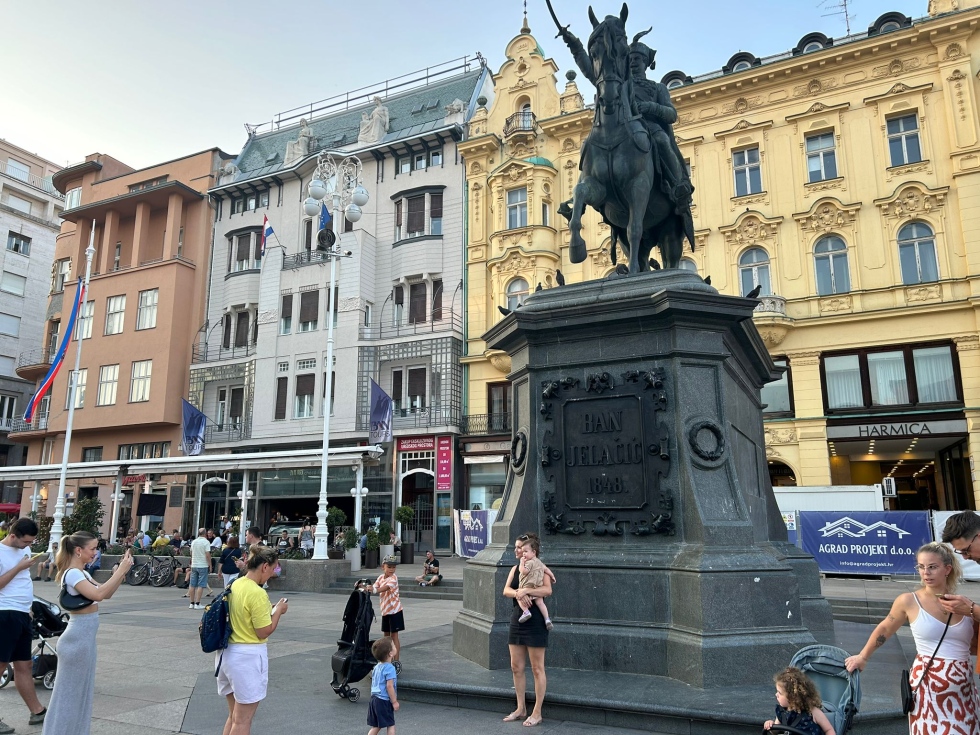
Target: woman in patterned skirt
946 698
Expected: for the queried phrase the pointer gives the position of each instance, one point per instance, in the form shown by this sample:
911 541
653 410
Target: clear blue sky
150 81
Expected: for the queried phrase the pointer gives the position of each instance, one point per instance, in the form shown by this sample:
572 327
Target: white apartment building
259 370
29 223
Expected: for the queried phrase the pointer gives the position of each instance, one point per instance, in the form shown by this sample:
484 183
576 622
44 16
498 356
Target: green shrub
350 538
384 532
372 543
86 516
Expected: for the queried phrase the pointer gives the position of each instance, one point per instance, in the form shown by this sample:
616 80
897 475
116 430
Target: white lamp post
359 494
341 182
243 495
36 496
116 498
59 508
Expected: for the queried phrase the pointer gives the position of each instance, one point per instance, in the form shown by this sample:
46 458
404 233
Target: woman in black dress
527 640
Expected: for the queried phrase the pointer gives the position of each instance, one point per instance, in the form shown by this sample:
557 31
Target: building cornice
70 173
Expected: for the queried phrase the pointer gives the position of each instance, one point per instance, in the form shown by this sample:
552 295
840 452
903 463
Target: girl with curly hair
798 704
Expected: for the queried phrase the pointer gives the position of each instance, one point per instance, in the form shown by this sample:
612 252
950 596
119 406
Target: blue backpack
215 627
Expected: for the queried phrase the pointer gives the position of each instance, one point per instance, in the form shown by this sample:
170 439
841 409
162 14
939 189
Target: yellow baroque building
843 178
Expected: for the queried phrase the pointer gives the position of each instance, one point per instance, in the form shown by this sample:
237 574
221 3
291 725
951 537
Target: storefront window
886 370
843 381
934 374
486 484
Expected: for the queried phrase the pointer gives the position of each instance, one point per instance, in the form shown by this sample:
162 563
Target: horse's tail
689 227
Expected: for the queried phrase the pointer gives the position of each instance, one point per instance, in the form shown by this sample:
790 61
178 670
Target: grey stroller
839 688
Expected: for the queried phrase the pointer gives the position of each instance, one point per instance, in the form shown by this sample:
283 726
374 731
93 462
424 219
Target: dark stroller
48 622
839 689
353 660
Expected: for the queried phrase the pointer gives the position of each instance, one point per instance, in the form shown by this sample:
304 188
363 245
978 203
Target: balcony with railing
771 319
201 353
33 364
306 257
520 122
6 423
415 418
38 423
771 304
452 322
37 182
484 424
228 432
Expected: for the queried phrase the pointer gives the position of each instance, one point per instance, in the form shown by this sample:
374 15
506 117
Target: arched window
675 83
917 252
516 291
753 270
830 261
741 66
812 46
891 25
687 264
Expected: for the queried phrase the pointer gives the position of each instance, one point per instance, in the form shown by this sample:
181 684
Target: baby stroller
48 622
839 688
353 660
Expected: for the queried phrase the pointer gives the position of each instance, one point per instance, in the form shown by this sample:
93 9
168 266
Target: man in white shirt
16 596
200 568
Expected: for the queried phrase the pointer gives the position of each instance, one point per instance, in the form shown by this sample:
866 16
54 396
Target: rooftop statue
632 172
374 125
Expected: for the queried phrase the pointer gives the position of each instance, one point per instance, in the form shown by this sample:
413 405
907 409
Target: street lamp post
243 495
36 496
59 508
341 181
358 493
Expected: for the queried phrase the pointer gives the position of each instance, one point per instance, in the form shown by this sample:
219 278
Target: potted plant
335 518
384 538
404 515
372 548
353 553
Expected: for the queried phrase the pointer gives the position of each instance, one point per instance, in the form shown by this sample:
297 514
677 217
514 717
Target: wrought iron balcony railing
451 323
38 423
520 122
213 353
228 432
486 423
34 357
307 257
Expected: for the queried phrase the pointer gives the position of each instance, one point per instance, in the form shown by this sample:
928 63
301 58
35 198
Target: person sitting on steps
430 576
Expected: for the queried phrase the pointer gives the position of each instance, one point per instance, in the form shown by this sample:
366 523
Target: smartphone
38 554
941 596
285 599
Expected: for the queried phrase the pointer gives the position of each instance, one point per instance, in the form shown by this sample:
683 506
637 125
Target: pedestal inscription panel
604 452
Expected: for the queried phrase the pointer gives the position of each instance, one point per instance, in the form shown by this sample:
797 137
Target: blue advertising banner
863 542
473 530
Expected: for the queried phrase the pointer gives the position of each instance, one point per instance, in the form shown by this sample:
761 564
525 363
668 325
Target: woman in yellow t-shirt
244 673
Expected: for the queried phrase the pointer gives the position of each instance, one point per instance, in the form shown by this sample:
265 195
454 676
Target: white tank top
927 630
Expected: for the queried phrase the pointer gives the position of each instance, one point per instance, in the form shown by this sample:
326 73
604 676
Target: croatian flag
266 232
59 357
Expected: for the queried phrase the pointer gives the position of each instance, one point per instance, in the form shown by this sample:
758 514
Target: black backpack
215 627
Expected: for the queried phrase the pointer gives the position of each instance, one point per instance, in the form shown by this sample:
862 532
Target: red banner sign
444 463
416 444
134 479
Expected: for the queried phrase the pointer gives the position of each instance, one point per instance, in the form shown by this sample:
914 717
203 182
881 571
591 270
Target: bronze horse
620 174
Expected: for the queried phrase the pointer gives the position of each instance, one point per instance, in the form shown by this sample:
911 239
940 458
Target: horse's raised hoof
622 270
577 252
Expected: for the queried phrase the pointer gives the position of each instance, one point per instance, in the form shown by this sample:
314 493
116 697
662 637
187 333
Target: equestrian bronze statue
632 172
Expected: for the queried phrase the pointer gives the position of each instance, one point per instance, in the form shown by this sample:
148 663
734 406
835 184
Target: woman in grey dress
70 708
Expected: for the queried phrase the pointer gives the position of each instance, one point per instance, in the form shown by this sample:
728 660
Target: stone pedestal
638 457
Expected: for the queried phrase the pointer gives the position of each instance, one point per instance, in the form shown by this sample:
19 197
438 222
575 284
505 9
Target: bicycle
159 572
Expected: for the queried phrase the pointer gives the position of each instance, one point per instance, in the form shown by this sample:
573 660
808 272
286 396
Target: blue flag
324 216
192 429
381 415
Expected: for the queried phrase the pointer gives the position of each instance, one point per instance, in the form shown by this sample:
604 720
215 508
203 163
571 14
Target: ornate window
753 270
917 252
517 208
903 140
517 290
748 174
821 157
830 262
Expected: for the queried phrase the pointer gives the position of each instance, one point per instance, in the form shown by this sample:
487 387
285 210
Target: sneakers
191 606
38 718
34 579
525 617
423 584
5 728
199 607
548 624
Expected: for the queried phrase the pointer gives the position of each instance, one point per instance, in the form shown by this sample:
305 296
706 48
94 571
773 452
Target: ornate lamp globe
311 206
317 189
352 213
359 196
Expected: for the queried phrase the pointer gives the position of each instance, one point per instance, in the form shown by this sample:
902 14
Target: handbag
68 601
908 691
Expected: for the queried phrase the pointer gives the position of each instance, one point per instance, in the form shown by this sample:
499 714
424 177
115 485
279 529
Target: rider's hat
647 53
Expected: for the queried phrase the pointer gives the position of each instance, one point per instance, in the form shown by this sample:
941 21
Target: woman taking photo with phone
941 676
70 708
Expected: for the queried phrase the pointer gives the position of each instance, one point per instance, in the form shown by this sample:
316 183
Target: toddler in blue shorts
384 700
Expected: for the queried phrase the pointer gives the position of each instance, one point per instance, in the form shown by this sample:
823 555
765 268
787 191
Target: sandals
531 722
515 716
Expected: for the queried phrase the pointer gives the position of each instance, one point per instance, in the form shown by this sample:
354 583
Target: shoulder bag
908 691
71 602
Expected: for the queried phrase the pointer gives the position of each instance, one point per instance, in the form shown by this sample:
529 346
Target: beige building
137 324
843 178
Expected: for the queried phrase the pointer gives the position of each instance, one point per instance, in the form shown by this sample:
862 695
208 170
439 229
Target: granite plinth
639 458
